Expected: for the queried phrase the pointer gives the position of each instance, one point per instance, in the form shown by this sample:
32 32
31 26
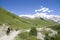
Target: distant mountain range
55 18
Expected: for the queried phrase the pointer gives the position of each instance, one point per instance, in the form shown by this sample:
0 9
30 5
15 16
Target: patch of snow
10 37
27 30
40 36
4 36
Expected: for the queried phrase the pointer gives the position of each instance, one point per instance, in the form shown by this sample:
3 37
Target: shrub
33 31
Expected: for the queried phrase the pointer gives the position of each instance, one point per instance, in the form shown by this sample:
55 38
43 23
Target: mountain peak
55 18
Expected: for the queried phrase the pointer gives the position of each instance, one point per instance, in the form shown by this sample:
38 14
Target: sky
22 7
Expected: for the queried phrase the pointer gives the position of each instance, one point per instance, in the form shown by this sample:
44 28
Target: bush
33 31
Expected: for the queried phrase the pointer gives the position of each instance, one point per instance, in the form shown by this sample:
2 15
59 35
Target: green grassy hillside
38 22
11 19
15 21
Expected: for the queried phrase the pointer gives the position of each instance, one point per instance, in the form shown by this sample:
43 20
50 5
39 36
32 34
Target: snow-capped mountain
55 18
43 13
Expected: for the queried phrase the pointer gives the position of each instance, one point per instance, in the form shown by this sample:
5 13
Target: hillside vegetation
12 20
15 21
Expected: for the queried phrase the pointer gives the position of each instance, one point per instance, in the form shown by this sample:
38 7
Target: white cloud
56 18
43 12
40 9
50 11
43 9
29 16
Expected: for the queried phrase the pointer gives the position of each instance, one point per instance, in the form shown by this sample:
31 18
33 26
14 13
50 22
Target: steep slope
40 22
15 21
12 20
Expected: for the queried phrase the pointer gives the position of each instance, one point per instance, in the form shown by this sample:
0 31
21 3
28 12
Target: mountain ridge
55 18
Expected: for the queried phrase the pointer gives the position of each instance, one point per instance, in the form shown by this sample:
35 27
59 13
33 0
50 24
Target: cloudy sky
21 7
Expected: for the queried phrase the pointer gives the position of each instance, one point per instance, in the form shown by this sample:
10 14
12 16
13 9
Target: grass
15 21
12 20
25 36
57 28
